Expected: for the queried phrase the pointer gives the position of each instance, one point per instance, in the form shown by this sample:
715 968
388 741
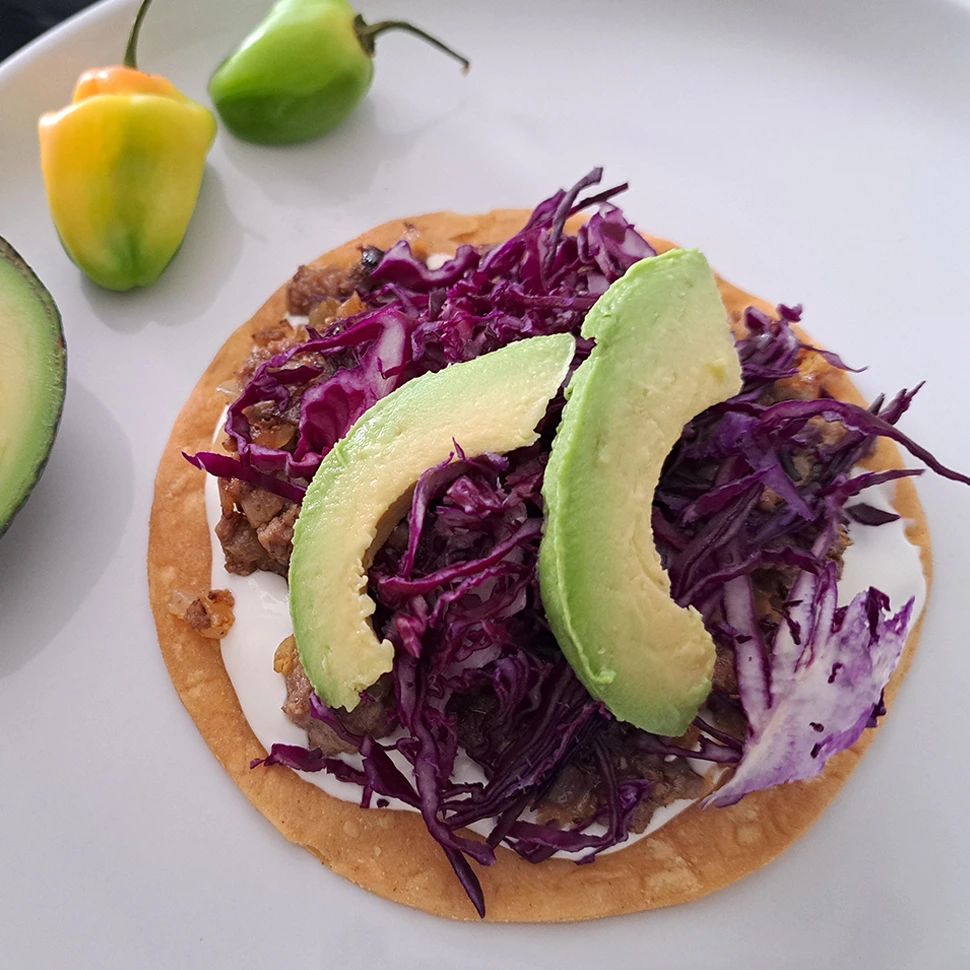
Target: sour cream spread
879 556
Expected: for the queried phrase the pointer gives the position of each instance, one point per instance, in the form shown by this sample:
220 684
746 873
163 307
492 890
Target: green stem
130 60
368 33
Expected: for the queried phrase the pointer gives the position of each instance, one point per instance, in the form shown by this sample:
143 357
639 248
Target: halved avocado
33 369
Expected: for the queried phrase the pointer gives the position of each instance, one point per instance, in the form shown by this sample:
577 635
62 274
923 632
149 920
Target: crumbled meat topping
210 613
372 716
573 798
267 427
724 678
297 704
257 505
256 528
267 343
276 535
311 285
328 315
670 781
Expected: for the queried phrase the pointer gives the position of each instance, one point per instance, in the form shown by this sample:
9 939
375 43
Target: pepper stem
368 33
130 60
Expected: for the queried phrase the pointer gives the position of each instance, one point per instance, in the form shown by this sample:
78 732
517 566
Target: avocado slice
33 365
664 352
363 488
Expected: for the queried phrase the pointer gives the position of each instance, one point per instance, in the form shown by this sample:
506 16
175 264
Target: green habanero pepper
122 167
301 72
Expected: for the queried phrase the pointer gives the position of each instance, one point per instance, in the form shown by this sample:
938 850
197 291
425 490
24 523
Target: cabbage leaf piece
820 685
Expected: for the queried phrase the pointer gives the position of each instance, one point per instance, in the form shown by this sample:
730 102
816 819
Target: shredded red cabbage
757 487
538 282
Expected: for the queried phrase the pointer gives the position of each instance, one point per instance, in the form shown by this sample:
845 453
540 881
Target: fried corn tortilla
389 852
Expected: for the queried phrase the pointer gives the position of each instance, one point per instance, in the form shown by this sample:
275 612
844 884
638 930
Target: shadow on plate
64 537
331 170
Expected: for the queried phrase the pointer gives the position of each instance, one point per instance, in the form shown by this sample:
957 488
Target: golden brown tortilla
389 852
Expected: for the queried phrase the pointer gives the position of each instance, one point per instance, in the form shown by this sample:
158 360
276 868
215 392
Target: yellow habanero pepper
122 166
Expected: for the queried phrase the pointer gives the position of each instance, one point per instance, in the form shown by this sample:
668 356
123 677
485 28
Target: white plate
817 151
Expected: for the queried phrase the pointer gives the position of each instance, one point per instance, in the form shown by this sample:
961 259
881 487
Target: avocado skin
23 295
363 488
664 352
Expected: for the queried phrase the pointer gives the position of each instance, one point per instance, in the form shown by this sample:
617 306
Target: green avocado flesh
32 374
363 488
664 352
